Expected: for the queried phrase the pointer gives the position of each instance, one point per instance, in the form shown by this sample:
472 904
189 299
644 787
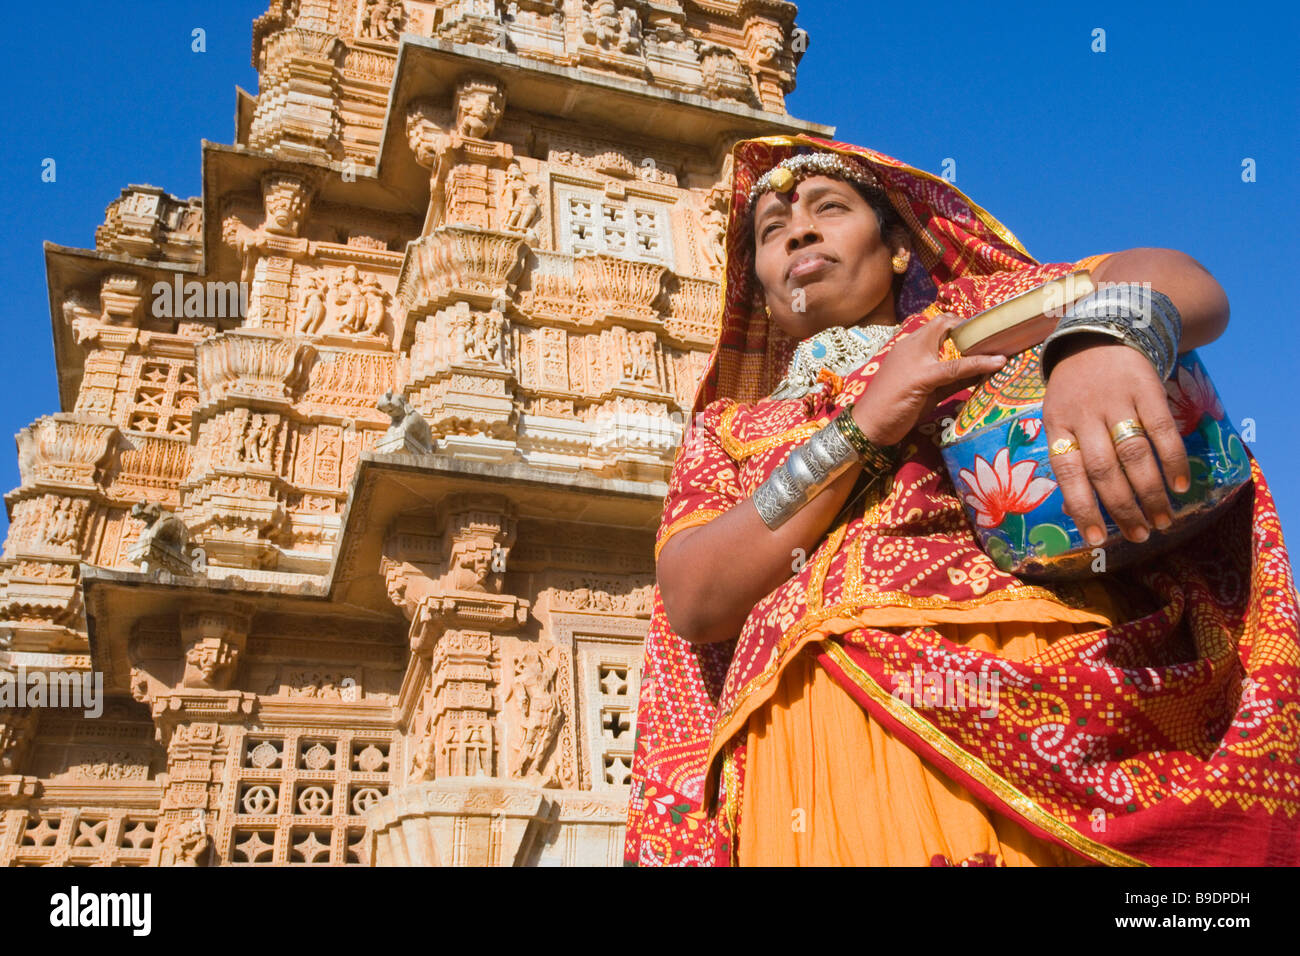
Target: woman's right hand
904 388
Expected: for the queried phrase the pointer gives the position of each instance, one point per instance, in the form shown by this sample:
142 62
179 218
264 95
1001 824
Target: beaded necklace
839 349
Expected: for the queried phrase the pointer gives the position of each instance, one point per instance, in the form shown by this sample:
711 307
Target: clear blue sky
1076 152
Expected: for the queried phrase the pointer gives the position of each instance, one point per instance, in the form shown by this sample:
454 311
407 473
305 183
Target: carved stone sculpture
517 201
186 844
382 19
479 105
164 543
534 709
312 305
408 432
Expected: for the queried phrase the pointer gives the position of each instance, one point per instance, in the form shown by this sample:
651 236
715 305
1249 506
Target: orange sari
873 801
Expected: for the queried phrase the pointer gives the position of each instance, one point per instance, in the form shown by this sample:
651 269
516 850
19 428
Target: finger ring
1126 429
1063 446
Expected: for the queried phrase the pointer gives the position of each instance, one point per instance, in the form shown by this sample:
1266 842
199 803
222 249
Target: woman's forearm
1196 294
711 576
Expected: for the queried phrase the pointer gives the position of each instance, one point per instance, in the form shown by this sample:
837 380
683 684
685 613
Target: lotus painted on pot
996 455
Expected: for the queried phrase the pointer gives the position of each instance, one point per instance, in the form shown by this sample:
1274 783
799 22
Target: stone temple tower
352 494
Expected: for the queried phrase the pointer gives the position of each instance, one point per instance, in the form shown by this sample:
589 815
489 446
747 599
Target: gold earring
900 263
767 310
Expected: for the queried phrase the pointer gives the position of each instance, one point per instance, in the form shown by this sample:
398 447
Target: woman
1149 716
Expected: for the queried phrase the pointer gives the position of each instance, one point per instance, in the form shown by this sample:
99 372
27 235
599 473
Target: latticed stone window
634 228
301 797
610 672
164 399
80 836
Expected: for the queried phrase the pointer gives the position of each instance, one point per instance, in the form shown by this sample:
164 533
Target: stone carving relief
213 639
108 765
459 334
424 134
343 302
164 542
479 102
517 207
285 200
251 364
311 684
50 523
17 731
455 263
185 843
244 437
64 529
592 594
460 740
62 448
639 357
533 707
382 19
82 317
713 231
408 431
606 24
267 253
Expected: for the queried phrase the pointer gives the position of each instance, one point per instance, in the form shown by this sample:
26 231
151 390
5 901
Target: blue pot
996 455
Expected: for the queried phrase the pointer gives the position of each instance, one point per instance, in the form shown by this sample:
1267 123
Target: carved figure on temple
162 530
382 19
186 844
518 201
470 568
65 522
312 305
284 199
349 301
408 431
713 228
535 709
375 311
479 104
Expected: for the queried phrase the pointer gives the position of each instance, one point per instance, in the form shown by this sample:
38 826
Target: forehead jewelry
784 175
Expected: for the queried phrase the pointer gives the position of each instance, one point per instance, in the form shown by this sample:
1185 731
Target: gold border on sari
976 768
689 520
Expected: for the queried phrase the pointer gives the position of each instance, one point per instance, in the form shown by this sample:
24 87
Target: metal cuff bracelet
1132 313
816 463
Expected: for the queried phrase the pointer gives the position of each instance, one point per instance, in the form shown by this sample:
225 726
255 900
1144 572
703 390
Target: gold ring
1063 446
1126 429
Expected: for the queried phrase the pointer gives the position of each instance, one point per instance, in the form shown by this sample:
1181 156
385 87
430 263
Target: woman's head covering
951 238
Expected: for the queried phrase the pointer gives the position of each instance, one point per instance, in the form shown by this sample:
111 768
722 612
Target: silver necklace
838 348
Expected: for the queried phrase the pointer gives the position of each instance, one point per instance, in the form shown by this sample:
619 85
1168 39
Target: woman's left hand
1095 384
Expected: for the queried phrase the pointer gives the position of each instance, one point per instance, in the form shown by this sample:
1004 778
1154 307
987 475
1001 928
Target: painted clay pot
996 455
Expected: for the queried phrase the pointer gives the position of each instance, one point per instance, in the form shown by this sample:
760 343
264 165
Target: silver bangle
1130 312
806 471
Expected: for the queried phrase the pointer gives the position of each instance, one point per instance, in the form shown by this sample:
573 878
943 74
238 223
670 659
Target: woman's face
820 258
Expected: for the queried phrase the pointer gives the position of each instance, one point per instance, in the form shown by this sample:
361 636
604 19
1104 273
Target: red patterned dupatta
1168 736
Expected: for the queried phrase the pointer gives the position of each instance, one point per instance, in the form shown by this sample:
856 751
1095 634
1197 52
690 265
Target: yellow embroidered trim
822 564
740 450
685 521
732 806
1091 262
1005 791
